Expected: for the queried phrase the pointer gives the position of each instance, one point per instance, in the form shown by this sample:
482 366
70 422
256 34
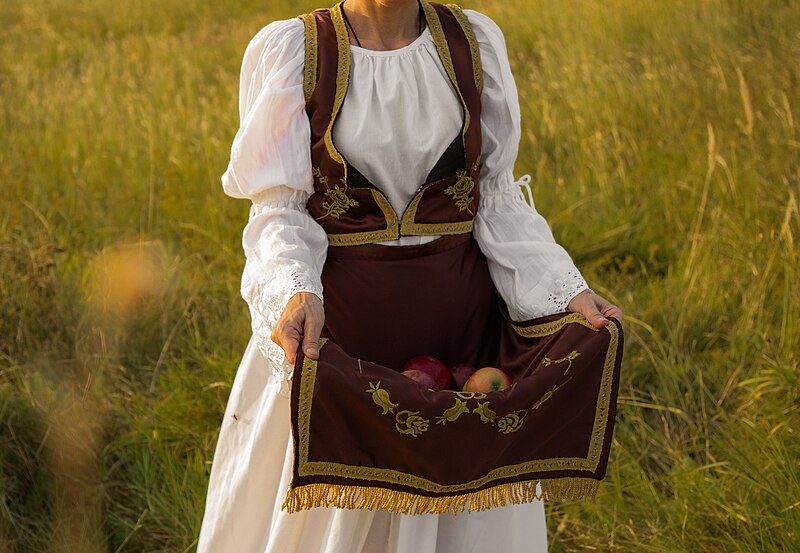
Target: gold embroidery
413 424
486 414
461 190
390 476
339 204
372 498
391 232
406 422
322 179
512 421
409 227
568 358
544 329
474 49
450 415
467 395
310 69
380 396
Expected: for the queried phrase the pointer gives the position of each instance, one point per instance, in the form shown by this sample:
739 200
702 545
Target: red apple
487 379
433 367
423 378
460 374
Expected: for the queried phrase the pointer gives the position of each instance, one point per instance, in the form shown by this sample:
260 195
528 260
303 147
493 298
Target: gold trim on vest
391 232
310 68
342 80
444 53
474 49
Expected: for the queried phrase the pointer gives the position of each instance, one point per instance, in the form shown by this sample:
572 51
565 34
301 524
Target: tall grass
662 137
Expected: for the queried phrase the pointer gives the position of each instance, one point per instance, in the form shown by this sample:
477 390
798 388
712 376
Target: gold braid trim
369 498
342 78
391 232
409 227
444 53
544 329
474 50
310 69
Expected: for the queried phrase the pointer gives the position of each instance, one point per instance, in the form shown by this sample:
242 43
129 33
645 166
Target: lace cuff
267 303
565 287
551 295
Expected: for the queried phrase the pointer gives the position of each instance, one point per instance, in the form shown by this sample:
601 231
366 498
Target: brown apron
366 436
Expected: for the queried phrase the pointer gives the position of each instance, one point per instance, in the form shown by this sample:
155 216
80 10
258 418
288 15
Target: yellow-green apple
460 374
421 377
487 379
433 367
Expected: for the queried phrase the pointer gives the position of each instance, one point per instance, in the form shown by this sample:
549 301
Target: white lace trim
565 287
267 300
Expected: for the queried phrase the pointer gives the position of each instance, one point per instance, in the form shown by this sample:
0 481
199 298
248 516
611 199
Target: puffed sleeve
285 248
534 275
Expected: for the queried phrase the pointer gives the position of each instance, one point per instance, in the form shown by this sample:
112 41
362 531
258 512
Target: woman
395 123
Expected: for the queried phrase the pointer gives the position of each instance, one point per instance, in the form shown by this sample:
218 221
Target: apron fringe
365 497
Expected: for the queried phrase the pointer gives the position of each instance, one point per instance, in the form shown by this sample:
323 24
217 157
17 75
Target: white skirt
252 470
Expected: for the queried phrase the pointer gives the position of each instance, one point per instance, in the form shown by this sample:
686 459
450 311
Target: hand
594 308
302 319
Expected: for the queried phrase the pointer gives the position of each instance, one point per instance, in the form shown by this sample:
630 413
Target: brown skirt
367 437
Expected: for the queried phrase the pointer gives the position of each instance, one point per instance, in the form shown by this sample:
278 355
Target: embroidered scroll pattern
414 424
461 191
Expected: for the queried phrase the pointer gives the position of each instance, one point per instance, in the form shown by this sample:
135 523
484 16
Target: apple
460 374
487 379
433 367
421 377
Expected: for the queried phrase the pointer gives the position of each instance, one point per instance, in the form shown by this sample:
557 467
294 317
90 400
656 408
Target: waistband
379 252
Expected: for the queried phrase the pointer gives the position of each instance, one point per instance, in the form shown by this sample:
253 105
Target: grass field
662 138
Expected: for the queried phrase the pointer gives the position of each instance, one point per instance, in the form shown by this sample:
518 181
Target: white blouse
399 115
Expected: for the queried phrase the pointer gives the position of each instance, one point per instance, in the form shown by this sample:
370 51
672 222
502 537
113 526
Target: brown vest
351 209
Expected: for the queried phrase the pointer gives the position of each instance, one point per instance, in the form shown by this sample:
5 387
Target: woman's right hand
302 320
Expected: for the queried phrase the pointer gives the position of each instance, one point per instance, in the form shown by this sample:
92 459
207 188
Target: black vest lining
449 162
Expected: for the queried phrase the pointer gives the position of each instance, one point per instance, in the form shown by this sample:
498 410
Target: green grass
662 137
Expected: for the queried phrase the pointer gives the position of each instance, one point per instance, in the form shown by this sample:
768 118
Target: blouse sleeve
533 274
285 248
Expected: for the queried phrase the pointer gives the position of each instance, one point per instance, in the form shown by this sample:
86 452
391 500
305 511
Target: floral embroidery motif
486 414
381 397
511 422
340 201
413 424
461 191
450 415
322 179
568 358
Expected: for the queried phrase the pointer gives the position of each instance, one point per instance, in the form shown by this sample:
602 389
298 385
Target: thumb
311 332
594 316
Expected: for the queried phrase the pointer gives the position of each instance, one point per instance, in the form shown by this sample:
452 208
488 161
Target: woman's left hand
594 308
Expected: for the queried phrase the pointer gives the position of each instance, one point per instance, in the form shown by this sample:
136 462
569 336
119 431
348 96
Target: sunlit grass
662 138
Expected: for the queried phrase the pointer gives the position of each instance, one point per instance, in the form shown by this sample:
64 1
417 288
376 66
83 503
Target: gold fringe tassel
367 497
